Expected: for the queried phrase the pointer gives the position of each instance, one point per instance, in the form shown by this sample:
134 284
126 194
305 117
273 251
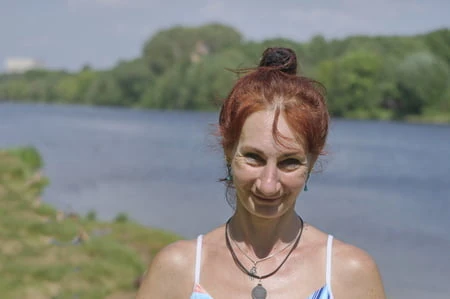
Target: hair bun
283 59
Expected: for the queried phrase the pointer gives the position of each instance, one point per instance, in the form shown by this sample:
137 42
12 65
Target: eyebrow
285 155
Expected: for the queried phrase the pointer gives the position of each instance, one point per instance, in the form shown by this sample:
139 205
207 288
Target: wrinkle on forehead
254 132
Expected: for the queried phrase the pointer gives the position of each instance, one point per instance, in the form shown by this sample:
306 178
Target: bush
121 217
91 215
30 156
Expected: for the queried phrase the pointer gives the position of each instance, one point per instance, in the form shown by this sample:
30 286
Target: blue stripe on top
200 296
322 293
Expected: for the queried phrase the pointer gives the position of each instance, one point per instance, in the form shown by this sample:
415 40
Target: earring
306 182
229 177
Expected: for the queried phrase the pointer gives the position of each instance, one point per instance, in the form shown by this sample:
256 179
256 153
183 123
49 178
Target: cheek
295 180
243 174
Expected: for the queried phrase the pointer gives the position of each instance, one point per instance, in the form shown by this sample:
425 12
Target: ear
227 157
229 154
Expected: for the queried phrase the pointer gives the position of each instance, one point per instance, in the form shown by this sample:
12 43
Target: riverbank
49 253
428 118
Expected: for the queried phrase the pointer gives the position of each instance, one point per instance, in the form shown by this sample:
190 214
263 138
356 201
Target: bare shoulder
355 273
170 273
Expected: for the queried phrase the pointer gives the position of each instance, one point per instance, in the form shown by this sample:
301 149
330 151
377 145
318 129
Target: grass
45 253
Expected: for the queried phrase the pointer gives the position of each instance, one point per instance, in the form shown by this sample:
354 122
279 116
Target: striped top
322 293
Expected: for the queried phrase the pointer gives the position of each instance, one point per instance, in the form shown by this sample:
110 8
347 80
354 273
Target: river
384 186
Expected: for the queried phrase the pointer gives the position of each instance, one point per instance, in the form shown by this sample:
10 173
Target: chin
266 208
268 211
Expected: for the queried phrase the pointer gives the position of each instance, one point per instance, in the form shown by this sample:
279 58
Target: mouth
267 200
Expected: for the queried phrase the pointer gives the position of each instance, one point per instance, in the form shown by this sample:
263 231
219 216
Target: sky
67 34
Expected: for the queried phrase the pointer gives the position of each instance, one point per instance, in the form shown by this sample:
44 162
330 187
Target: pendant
259 292
253 271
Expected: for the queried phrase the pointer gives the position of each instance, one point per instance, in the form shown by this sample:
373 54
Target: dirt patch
10 247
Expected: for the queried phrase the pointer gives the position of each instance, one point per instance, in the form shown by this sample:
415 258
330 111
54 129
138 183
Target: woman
273 127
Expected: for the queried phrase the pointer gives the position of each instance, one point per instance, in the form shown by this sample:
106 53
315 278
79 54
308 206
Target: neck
261 236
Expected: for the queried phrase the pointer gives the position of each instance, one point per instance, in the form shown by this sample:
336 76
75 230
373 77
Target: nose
268 183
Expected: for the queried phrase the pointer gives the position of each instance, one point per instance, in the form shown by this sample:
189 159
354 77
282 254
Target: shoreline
439 119
50 253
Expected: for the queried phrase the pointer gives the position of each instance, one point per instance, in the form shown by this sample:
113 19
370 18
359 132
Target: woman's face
268 176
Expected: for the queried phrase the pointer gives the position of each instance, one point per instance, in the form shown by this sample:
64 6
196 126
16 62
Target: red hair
275 85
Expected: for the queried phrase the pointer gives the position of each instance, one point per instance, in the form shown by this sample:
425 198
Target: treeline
382 77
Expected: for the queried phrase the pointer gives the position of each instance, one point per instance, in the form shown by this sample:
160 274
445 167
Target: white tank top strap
329 255
198 260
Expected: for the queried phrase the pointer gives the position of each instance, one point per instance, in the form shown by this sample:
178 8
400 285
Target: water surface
384 186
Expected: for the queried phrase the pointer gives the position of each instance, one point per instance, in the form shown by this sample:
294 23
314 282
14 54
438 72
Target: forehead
258 132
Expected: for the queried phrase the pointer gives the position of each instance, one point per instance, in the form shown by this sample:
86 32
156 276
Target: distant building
22 64
201 49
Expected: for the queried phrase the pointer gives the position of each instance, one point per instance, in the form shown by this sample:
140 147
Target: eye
290 164
253 158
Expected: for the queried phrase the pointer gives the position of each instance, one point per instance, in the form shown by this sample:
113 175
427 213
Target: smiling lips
267 200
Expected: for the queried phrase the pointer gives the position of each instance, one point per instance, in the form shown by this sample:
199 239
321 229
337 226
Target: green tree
438 42
215 76
104 91
351 82
16 89
422 80
67 89
133 78
183 44
316 50
85 79
184 68
168 91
